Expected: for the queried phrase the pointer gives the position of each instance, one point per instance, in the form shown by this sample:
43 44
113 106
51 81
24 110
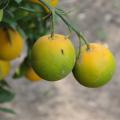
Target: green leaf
6 95
20 72
7 110
18 1
4 4
3 83
1 14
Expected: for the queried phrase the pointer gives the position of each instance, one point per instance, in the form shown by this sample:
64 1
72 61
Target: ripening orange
11 44
31 75
95 67
4 69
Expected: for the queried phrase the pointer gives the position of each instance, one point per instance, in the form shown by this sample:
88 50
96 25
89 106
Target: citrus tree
50 56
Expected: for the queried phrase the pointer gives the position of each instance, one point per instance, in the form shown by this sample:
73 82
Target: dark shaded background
99 20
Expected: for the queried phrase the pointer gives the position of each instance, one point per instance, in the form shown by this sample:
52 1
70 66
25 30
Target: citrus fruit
1 14
4 69
95 67
53 58
52 3
11 44
31 75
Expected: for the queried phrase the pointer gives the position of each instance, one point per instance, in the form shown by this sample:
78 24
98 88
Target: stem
45 17
74 29
79 48
64 12
46 4
52 23
52 12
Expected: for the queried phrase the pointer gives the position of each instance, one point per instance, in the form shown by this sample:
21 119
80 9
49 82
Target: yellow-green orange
95 67
4 69
32 75
53 58
52 3
11 44
1 14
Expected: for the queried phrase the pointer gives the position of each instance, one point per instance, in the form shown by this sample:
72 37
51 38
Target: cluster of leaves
27 18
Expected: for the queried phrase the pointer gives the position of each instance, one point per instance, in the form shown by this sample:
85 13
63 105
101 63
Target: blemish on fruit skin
7 34
62 51
63 72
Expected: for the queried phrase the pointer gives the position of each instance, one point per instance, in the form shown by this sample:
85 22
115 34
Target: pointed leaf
6 95
7 110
